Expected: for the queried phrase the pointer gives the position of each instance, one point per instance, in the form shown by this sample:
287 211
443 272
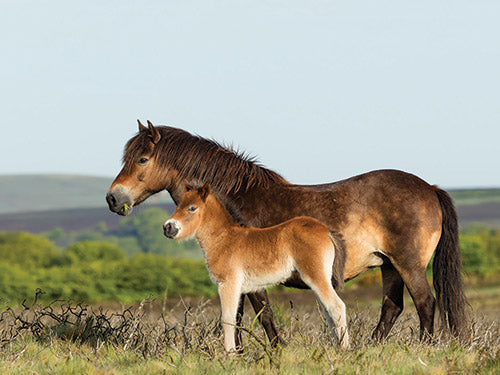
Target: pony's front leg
229 293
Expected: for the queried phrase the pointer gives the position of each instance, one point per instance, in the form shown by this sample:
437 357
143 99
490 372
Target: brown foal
242 260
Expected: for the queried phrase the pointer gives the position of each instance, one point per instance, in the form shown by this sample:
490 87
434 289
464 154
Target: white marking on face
175 225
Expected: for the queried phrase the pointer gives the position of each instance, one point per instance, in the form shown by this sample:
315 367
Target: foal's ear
142 128
155 134
204 191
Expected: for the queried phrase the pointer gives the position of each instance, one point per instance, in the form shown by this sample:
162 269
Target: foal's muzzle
170 229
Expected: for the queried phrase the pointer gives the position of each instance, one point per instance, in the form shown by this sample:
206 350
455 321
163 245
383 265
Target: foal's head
188 215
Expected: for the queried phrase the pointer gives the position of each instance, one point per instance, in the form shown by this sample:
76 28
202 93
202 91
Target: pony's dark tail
446 269
338 260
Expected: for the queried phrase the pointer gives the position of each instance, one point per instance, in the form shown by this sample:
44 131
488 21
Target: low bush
92 271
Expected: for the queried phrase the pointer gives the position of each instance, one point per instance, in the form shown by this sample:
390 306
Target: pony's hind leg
239 319
392 301
420 292
415 279
261 306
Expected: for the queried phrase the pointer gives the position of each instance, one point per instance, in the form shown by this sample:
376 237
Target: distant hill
35 193
72 219
467 197
87 218
38 203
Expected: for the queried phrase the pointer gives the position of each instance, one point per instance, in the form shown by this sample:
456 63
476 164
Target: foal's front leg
229 293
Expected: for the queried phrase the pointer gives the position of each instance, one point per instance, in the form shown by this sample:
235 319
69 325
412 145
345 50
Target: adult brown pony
388 218
243 260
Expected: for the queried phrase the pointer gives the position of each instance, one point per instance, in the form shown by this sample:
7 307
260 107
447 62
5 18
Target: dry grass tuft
149 336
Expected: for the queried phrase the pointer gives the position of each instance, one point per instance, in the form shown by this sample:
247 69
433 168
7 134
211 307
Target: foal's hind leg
320 282
392 301
335 307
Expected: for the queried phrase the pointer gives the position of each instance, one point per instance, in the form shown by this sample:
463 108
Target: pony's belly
360 263
364 246
361 256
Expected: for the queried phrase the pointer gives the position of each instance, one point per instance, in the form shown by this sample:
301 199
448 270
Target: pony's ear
142 128
155 134
188 186
204 191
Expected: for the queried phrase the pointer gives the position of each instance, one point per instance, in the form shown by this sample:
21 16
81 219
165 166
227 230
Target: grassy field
183 336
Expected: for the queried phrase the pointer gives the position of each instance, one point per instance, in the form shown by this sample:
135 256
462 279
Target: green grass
62 358
157 338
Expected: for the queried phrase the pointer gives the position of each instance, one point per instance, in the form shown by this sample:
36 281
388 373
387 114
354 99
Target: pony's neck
216 225
176 189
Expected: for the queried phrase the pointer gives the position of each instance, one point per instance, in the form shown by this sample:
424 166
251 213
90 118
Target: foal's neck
216 225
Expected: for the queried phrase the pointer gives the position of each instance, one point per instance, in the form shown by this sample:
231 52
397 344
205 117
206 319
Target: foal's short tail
338 260
446 269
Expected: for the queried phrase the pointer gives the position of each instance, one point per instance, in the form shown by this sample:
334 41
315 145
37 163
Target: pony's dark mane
200 159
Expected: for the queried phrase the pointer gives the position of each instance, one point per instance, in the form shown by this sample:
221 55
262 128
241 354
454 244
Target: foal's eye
143 161
192 209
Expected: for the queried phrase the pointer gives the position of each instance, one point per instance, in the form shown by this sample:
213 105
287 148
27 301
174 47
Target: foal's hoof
345 344
233 352
344 340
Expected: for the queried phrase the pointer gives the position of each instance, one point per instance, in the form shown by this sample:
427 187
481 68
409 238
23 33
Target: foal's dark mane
198 158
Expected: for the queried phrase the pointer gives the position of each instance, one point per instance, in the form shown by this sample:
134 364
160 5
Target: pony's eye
143 161
192 209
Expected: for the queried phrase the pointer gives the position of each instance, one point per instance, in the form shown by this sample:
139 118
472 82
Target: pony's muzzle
119 202
171 228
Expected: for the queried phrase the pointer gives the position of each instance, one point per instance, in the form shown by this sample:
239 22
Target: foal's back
268 256
297 237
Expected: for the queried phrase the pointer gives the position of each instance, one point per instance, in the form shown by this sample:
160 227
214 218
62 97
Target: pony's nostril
110 198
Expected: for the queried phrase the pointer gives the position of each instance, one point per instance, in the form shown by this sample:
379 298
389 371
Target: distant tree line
480 247
140 233
98 269
92 271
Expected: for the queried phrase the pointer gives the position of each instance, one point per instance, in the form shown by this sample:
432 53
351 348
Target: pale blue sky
318 90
